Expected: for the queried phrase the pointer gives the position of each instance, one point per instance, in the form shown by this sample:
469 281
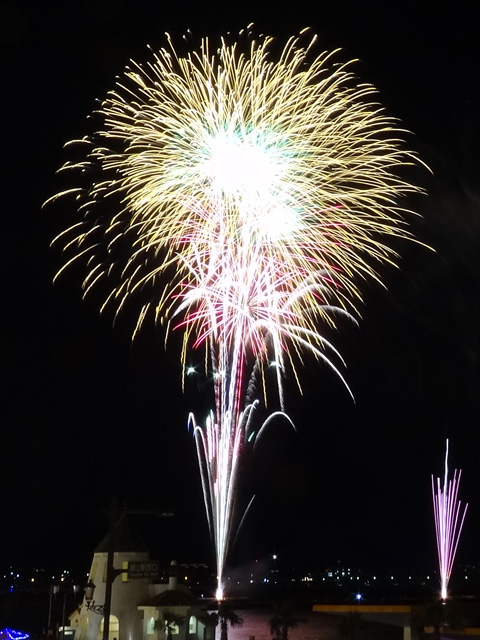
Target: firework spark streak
449 518
249 198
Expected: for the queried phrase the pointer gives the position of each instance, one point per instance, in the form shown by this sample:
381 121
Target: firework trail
449 517
250 197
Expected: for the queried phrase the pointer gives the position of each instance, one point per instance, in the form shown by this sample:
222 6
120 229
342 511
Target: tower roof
125 538
171 598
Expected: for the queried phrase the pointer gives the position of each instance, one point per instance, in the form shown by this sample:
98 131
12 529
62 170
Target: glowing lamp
89 593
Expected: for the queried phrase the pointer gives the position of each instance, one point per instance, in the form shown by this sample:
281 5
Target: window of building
150 626
113 631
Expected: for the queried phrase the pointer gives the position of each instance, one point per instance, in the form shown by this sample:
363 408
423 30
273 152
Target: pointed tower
125 622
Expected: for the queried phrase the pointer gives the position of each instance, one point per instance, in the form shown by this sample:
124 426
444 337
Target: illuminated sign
137 570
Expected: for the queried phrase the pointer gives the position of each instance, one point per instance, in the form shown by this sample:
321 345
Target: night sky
87 415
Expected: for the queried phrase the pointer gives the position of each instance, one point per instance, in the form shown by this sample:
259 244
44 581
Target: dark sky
86 414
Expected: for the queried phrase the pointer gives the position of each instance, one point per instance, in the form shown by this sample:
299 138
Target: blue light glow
11 634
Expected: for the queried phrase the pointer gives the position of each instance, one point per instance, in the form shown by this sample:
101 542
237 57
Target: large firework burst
250 198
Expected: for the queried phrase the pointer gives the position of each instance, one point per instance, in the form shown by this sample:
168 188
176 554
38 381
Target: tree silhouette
169 622
284 618
226 616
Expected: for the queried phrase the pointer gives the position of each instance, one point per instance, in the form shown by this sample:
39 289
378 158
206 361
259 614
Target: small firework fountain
248 199
449 517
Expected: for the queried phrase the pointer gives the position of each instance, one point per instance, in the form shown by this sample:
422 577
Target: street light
91 606
53 592
75 591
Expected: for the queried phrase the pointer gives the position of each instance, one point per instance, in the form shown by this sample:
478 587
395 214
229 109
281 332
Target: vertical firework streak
249 198
449 517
